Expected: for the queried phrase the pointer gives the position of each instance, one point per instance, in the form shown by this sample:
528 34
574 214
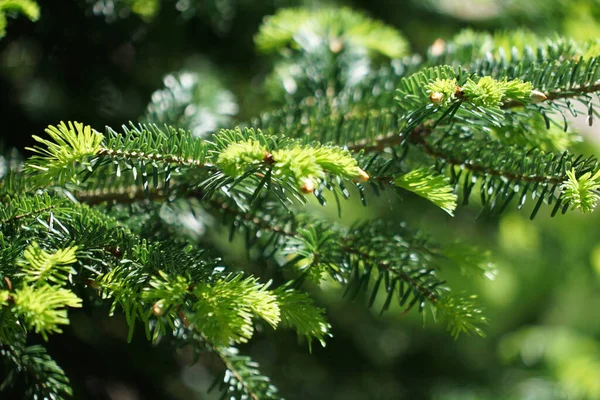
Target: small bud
458 92
8 283
362 176
437 48
336 45
308 186
115 251
436 97
158 308
537 97
268 158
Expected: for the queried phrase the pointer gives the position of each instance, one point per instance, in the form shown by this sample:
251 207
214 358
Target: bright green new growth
442 91
40 300
516 89
300 163
43 308
29 8
237 157
278 30
73 144
482 129
468 321
337 27
308 163
298 311
582 192
430 185
39 266
489 92
297 163
485 92
225 309
167 292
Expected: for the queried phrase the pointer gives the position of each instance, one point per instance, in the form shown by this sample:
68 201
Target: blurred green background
99 61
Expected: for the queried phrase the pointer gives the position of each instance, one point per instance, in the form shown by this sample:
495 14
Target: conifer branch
356 114
23 207
339 27
43 376
243 378
483 169
558 94
120 195
355 256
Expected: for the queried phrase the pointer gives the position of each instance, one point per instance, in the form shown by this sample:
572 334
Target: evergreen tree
114 219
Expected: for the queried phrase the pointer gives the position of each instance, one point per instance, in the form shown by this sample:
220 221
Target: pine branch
43 377
299 312
338 27
40 266
463 109
348 129
506 173
43 308
406 263
119 195
378 129
559 94
485 169
474 48
373 130
245 159
433 187
243 380
22 207
582 192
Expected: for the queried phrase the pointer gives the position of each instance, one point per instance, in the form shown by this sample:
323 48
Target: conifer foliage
93 216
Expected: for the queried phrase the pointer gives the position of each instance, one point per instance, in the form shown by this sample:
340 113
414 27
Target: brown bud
268 158
308 186
459 92
8 283
115 251
158 309
436 97
362 176
537 97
